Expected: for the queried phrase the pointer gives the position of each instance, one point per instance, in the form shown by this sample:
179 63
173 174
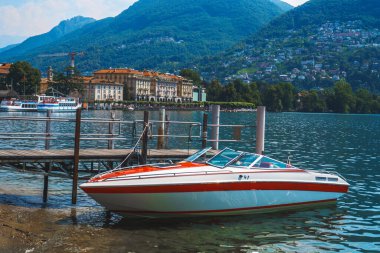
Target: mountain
284 6
312 46
8 47
63 28
159 34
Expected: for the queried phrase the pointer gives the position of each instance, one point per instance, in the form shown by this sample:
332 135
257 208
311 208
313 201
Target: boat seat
266 165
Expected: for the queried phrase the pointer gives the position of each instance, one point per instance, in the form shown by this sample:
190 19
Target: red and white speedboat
228 183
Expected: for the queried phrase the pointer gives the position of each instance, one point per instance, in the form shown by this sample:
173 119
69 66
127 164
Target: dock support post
144 149
204 130
161 129
47 165
215 110
76 157
111 144
260 129
167 124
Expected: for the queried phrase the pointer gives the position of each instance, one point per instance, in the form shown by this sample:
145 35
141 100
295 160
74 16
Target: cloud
28 18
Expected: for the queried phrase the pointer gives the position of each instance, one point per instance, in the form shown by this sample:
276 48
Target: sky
20 19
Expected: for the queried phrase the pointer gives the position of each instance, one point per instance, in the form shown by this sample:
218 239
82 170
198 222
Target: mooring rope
134 148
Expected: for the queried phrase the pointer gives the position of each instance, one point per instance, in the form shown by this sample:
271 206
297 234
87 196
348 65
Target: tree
26 79
67 83
344 100
191 75
214 91
364 101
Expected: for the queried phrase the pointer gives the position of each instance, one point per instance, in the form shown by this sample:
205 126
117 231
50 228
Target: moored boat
16 105
58 104
229 183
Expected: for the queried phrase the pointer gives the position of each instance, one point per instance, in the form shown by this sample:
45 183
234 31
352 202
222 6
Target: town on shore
122 87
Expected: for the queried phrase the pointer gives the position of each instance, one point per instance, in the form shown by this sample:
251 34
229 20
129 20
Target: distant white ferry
40 103
16 105
58 104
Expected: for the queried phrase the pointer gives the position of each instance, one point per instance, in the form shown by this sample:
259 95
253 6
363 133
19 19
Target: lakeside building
98 89
148 85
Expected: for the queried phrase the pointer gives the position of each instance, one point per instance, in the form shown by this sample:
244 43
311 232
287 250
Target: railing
158 131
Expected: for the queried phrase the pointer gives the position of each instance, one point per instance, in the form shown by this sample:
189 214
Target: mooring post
76 157
260 129
111 132
161 129
47 165
144 148
111 144
215 110
167 124
204 130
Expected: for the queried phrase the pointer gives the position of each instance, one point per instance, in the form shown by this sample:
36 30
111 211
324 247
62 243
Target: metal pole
144 149
204 130
215 109
111 132
76 157
47 165
260 129
167 119
161 129
111 144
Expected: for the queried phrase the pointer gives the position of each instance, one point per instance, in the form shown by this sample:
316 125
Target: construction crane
70 54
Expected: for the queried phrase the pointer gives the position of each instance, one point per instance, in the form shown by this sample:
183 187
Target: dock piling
204 130
47 165
215 110
161 129
260 129
76 157
144 149
111 144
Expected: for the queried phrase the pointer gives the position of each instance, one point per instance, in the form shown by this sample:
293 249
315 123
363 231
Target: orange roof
118 71
4 68
4 72
141 73
103 81
5 65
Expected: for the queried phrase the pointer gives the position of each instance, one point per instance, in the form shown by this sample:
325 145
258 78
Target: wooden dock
62 155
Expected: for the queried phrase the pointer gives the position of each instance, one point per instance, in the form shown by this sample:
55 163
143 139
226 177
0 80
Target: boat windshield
224 158
197 155
266 162
229 157
245 160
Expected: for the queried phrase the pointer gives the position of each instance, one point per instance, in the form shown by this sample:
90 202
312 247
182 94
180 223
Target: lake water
348 144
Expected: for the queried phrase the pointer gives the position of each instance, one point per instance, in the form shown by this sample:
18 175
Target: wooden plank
85 154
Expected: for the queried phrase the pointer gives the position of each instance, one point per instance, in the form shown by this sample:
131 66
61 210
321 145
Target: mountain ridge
63 28
159 34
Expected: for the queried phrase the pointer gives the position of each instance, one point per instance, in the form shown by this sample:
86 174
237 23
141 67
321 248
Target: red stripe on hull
208 187
226 210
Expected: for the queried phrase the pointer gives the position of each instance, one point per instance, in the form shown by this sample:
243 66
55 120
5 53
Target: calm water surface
348 144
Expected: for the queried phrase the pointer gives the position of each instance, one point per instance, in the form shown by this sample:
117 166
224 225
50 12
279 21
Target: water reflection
348 144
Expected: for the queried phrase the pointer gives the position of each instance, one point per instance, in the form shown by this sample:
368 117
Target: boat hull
205 203
56 108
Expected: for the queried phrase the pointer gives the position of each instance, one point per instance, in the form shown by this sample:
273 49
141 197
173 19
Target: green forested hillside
159 34
312 46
